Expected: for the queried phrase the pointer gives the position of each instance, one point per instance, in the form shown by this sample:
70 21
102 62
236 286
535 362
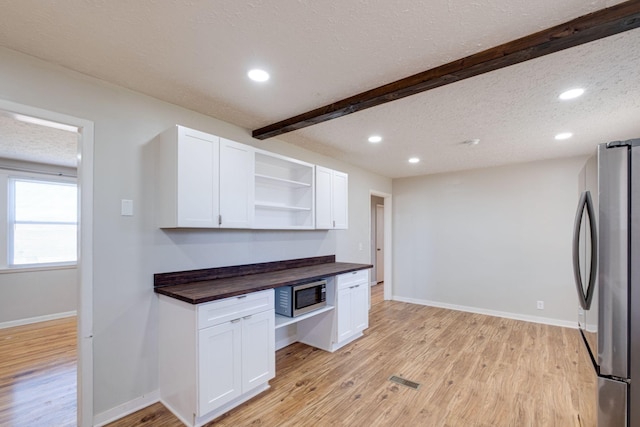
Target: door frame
85 253
388 238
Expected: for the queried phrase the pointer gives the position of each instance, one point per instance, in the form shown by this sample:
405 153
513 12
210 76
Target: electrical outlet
540 305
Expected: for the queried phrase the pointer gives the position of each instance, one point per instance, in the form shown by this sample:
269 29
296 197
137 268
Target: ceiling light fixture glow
474 141
571 94
563 135
258 75
414 160
374 139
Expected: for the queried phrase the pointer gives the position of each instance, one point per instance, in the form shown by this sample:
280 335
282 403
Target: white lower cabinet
352 314
216 355
219 367
344 315
337 328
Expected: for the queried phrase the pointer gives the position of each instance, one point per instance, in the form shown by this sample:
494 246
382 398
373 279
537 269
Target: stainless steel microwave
294 300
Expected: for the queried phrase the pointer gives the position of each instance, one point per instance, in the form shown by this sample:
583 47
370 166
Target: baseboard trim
38 319
210 416
504 314
126 408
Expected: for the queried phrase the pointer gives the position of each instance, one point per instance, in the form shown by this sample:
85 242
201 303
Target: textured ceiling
37 143
196 54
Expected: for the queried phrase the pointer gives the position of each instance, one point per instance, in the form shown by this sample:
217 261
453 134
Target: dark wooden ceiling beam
597 25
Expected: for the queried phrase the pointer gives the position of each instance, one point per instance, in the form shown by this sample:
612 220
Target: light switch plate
126 207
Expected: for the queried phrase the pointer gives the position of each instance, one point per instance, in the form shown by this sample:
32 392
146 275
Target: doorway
380 242
84 129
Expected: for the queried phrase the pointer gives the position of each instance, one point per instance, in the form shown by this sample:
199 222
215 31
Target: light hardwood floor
38 374
474 370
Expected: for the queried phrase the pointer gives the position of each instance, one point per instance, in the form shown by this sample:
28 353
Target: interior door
379 243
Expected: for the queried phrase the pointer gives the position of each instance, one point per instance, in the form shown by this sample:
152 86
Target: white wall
129 250
36 294
496 239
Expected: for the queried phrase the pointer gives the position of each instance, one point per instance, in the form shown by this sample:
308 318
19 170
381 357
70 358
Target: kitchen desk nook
217 329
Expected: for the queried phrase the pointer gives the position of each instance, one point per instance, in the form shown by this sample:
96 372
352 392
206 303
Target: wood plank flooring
38 374
474 370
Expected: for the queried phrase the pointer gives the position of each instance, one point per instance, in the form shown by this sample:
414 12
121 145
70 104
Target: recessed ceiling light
375 139
564 135
414 160
258 75
572 93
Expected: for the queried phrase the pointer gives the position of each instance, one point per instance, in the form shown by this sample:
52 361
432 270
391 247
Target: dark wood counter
224 282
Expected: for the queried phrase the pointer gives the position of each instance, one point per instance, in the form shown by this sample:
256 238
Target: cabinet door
360 307
197 179
219 365
340 203
344 314
324 217
258 349
237 184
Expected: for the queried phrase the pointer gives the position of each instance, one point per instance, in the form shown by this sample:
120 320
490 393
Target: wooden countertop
210 290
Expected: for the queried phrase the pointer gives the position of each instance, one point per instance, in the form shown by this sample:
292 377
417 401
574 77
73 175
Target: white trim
37 319
504 314
126 408
49 267
85 248
85 274
388 240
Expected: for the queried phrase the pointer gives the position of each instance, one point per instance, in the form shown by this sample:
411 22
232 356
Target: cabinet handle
248 317
334 224
236 320
242 296
219 219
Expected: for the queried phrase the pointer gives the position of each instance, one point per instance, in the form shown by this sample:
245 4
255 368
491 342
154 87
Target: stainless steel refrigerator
606 264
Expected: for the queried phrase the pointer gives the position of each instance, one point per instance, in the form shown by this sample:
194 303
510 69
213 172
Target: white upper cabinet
332 194
340 187
204 181
188 178
236 184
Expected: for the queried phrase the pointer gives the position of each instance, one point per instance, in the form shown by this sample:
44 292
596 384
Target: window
43 222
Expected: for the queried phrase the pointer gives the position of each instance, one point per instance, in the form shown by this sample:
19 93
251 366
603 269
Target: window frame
10 221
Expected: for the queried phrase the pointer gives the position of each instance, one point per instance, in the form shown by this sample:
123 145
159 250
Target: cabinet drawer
216 312
350 279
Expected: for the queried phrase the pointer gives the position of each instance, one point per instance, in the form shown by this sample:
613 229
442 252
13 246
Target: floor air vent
407 383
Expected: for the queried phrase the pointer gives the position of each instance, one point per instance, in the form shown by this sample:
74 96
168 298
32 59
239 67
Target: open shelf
269 205
282 321
282 181
284 192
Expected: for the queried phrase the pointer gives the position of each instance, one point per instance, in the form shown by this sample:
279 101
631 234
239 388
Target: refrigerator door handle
585 202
